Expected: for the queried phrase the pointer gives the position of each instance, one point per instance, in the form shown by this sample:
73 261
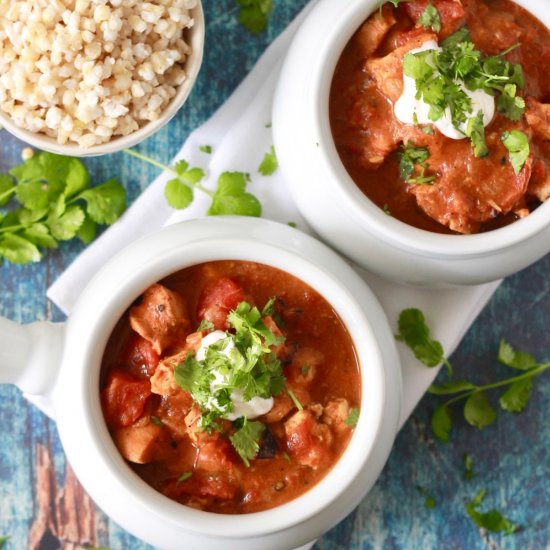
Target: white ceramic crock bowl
195 38
331 202
63 362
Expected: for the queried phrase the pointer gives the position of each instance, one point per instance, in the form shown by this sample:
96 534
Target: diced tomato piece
139 356
124 398
217 300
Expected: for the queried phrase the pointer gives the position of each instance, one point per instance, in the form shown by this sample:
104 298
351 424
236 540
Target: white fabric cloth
239 134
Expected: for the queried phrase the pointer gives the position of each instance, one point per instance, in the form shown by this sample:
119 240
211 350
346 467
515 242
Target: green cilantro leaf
231 197
294 399
416 334
205 326
518 360
7 188
87 231
429 501
105 202
517 144
492 520
206 149
454 386
178 195
66 226
510 105
353 417
246 440
18 250
516 397
411 158
254 14
468 467
475 130
430 18
478 411
441 423
39 234
185 476
269 164
157 421
3 541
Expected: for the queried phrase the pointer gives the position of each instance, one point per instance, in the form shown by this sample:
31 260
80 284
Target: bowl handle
30 355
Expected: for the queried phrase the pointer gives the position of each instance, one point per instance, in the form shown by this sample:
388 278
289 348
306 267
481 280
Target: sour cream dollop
408 105
251 409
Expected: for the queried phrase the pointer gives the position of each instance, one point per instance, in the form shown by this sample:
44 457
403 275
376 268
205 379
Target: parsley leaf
492 520
411 158
517 144
430 18
510 105
246 440
254 14
353 417
475 130
269 164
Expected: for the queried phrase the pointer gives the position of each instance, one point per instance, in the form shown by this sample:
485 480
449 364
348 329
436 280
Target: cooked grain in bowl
85 71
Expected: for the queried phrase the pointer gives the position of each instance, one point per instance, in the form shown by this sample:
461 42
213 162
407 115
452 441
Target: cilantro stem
7 193
508 381
166 168
13 228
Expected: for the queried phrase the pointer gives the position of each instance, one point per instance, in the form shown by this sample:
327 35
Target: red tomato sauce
153 421
469 194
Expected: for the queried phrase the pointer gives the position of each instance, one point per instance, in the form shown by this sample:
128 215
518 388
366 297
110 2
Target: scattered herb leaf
157 421
254 14
413 165
353 417
468 467
429 501
269 163
517 144
478 411
3 541
294 399
430 18
231 197
492 520
206 149
246 440
184 477
441 423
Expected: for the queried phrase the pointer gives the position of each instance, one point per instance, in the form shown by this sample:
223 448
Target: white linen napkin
239 134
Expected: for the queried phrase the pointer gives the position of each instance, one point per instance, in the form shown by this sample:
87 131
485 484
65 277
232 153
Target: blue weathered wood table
511 457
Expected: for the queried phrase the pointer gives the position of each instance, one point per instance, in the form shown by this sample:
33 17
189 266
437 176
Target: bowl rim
190 251
395 232
192 65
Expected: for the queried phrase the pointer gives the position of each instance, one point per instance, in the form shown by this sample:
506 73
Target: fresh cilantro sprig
241 361
415 333
441 77
353 417
48 199
430 18
229 198
477 410
246 440
254 14
3 541
413 165
492 520
517 144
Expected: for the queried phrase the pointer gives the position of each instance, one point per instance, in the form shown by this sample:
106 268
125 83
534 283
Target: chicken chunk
335 414
539 184
140 442
538 117
387 71
372 32
308 441
468 190
161 317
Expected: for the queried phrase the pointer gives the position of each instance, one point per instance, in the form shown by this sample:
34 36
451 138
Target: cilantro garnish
416 334
294 399
517 144
254 14
205 325
246 440
429 501
430 18
157 421
206 149
353 417
269 163
410 159
442 76
492 520
184 477
49 199
230 197
468 467
241 361
3 541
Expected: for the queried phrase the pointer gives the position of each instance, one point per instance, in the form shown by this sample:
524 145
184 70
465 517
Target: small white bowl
64 361
195 38
334 205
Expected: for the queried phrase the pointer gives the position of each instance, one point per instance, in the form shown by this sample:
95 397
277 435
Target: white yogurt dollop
407 106
251 409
